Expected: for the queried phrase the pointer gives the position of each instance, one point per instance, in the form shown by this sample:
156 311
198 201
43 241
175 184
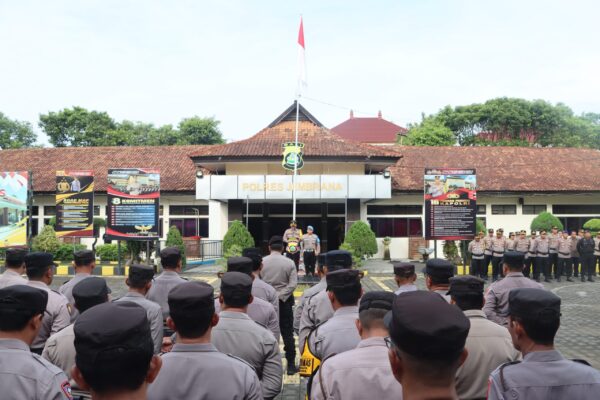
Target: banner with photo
450 203
74 203
133 202
14 191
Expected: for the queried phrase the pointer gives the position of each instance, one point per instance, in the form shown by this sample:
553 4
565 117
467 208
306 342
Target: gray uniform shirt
496 298
25 375
317 309
596 246
553 242
410 287
10 277
280 272
542 247
477 249
240 336
223 377
263 290
489 346
161 286
444 294
545 375
262 312
321 285
337 335
60 350
56 318
154 314
66 289
564 247
360 373
521 245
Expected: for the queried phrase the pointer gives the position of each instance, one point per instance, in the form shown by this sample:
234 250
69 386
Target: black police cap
15 255
236 285
424 325
514 258
255 255
404 269
17 299
112 329
376 299
342 278
90 290
276 240
83 257
170 256
240 264
439 268
338 259
39 260
465 284
533 303
139 273
191 297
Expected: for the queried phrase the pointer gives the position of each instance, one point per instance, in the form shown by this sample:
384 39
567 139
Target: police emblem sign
292 155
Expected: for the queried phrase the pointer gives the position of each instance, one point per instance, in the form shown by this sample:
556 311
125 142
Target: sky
161 61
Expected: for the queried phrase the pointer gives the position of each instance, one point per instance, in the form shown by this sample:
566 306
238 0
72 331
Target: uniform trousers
295 257
575 263
596 264
286 326
564 267
543 267
554 264
496 267
309 262
587 265
529 266
476 268
486 264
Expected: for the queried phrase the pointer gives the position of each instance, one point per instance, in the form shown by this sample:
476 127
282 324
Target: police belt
309 250
542 253
478 255
552 248
565 254
498 252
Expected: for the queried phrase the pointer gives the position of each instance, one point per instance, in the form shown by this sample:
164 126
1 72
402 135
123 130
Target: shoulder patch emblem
66 388
69 308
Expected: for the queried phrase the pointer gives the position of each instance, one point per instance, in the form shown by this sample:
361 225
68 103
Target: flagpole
296 163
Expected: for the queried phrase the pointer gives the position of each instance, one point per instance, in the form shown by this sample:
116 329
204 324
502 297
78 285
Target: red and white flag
301 60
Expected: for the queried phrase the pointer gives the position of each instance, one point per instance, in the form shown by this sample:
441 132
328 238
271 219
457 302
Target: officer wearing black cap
115 354
15 267
405 277
170 259
60 347
437 276
291 240
239 335
321 271
489 344
260 288
363 372
280 272
24 375
534 318
496 298
84 263
427 344
139 282
225 377
40 271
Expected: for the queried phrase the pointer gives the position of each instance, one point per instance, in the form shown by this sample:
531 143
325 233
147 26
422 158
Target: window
35 210
504 209
533 209
96 210
396 227
481 209
574 223
395 210
191 226
576 209
49 210
336 208
188 210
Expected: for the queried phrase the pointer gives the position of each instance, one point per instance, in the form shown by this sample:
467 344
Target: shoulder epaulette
262 325
502 372
578 360
65 282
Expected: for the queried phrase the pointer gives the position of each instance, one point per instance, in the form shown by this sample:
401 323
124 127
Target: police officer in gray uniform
40 271
534 318
405 277
237 334
338 333
24 375
170 259
223 377
321 285
437 276
15 267
260 288
83 263
140 282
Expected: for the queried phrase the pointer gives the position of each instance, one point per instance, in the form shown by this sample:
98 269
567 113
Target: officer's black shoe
537 279
590 279
292 369
569 279
548 280
558 279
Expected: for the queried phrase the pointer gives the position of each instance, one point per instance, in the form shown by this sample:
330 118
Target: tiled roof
507 169
177 170
369 130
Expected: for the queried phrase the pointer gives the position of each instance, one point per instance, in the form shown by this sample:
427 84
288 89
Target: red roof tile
369 130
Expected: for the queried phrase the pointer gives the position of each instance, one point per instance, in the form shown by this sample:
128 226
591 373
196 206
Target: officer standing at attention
139 282
477 250
280 272
564 257
238 335
496 297
193 357
260 288
574 253
585 247
405 277
522 246
426 344
544 373
437 276
314 289
291 239
363 372
489 344
15 267
338 334
24 375
498 245
115 354
596 252
542 248
170 259
84 263
40 271
531 265
60 347
553 251
487 242
510 242
310 246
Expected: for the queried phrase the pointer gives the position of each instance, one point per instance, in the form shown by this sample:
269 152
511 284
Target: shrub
361 240
108 252
237 234
65 251
545 221
46 241
451 251
593 225
174 239
356 260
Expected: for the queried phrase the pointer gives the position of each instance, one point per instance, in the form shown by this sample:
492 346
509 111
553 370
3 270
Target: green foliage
108 252
46 241
99 222
77 127
237 234
174 239
479 226
451 251
15 134
65 251
356 260
546 221
198 130
593 225
361 240
132 249
430 132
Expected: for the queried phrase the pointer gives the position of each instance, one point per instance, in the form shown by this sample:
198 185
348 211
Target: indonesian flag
301 59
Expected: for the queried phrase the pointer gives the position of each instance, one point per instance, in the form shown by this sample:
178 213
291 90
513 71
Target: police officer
114 351
544 373
426 344
521 242
498 245
225 377
280 272
237 334
60 347
542 247
15 267
310 246
308 293
83 263
170 259
487 242
510 242
40 271
496 298
564 257
489 344
553 251
585 247
291 239
139 282
24 375
531 265
260 288
405 277
437 276
574 253
596 252
363 372
477 250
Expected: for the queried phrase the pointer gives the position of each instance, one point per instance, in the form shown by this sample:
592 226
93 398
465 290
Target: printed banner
133 201
14 189
74 203
450 203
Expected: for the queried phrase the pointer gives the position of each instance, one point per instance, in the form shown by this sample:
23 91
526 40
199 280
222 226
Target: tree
237 234
360 240
46 240
174 239
78 127
545 221
198 130
15 134
593 225
430 132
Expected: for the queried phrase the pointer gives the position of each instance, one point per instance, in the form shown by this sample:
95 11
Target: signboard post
14 201
450 203
75 203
